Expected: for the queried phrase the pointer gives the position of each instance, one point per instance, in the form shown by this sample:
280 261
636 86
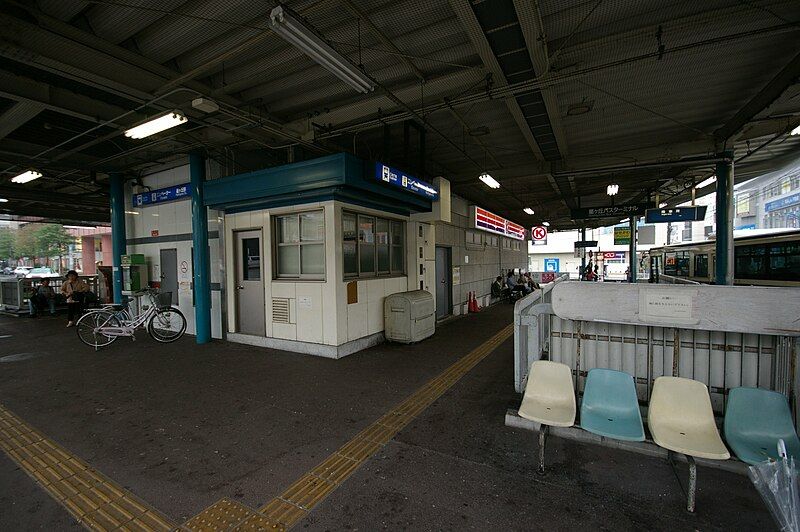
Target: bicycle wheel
88 325
167 325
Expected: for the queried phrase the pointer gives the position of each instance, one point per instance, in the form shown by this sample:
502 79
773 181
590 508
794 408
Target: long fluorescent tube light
156 125
795 131
26 177
3 200
612 189
706 182
132 212
288 26
528 210
489 181
546 224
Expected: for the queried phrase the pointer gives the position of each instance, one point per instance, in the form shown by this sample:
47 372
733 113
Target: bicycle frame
128 322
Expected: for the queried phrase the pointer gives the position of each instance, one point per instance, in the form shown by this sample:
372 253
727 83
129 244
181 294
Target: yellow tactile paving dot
294 504
92 498
259 523
224 514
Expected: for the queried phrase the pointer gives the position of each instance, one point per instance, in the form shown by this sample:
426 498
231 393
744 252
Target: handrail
671 279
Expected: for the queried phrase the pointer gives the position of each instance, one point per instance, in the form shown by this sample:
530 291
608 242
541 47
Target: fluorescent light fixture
795 131
156 125
706 182
132 212
286 24
528 210
625 220
612 189
207 105
3 200
26 177
489 181
662 205
546 224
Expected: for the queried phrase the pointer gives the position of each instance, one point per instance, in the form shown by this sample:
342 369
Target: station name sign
397 178
610 211
676 214
487 221
585 244
161 195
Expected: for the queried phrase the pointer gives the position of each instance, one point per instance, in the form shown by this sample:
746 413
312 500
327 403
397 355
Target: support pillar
634 263
87 255
583 255
118 236
724 221
201 273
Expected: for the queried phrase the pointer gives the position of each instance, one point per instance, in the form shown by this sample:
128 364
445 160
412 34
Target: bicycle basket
164 299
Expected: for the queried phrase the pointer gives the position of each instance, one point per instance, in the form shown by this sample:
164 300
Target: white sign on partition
667 306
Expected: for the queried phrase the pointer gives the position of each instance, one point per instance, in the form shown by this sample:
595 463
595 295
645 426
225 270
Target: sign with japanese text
676 214
610 211
487 221
622 236
161 195
397 178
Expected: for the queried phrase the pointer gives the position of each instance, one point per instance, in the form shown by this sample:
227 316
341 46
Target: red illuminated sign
483 219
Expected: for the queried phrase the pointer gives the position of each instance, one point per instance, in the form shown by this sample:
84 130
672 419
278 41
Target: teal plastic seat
610 406
755 419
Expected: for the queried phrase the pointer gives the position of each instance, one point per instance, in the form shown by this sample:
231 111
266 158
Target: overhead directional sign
610 211
161 195
676 214
539 236
585 244
397 178
488 221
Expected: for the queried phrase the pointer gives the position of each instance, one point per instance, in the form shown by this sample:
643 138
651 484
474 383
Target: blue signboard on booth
676 214
781 203
161 195
551 265
397 178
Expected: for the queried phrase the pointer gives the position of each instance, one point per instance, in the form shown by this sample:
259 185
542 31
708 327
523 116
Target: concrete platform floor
183 425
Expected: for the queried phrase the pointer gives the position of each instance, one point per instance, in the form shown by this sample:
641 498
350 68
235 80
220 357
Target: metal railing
532 329
15 291
725 337
671 279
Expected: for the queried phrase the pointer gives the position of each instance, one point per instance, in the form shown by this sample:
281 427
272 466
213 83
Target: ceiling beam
63 214
37 195
18 115
766 96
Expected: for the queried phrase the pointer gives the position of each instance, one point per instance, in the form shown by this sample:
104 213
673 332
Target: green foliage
8 243
42 240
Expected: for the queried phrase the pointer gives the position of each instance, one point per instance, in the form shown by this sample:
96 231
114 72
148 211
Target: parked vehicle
22 271
42 273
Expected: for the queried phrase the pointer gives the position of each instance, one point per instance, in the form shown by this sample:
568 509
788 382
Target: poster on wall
488 221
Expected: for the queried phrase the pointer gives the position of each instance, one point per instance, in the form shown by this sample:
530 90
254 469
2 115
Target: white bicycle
101 327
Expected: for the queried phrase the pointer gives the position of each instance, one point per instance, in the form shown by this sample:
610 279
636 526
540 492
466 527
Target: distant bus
766 257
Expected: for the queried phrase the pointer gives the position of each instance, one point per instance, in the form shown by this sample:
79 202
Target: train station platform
226 436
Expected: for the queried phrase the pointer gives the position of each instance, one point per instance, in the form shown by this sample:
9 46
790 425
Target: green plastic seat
755 419
610 406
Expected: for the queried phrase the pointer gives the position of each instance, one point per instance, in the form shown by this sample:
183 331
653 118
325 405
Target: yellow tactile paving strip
93 499
294 504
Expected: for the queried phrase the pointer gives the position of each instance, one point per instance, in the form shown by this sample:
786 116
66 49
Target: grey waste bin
409 316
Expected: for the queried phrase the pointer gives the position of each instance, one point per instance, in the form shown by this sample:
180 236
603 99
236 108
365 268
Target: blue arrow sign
397 178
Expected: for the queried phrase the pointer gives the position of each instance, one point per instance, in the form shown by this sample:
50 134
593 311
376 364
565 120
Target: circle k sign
539 233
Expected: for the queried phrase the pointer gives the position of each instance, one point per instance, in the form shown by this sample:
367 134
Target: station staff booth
303 255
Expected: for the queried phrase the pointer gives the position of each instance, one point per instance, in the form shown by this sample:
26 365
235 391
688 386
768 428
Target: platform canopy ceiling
555 99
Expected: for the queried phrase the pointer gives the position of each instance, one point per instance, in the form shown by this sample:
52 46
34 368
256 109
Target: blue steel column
202 279
724 220
118 235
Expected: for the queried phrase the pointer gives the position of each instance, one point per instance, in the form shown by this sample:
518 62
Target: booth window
372 246
300 245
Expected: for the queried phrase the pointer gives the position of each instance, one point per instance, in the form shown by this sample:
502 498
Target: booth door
444 283
250 284
169 272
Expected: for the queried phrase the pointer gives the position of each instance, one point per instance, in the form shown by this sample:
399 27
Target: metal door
444 283
169 272
250 283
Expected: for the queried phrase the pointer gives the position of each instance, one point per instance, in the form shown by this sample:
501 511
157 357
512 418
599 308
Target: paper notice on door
304 302
674 306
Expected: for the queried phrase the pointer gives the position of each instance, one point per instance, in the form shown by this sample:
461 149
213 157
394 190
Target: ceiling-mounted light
546 224
612 189
207 105
132 212
3 200
795 131
706 182
662 205
528 210
156 125
288 26
625 220
489 181
26 177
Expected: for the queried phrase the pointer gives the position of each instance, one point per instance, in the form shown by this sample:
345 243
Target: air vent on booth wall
280 310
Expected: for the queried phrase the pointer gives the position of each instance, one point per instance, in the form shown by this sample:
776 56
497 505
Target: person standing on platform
75 291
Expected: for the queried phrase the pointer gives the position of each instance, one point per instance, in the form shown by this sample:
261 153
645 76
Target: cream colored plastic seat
549 396
549 399
681 420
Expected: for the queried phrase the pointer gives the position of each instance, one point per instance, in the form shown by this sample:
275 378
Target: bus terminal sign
397 178
610 211
161 195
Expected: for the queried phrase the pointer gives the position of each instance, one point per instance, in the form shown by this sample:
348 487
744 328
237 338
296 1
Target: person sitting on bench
498 292
75 291
43 296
